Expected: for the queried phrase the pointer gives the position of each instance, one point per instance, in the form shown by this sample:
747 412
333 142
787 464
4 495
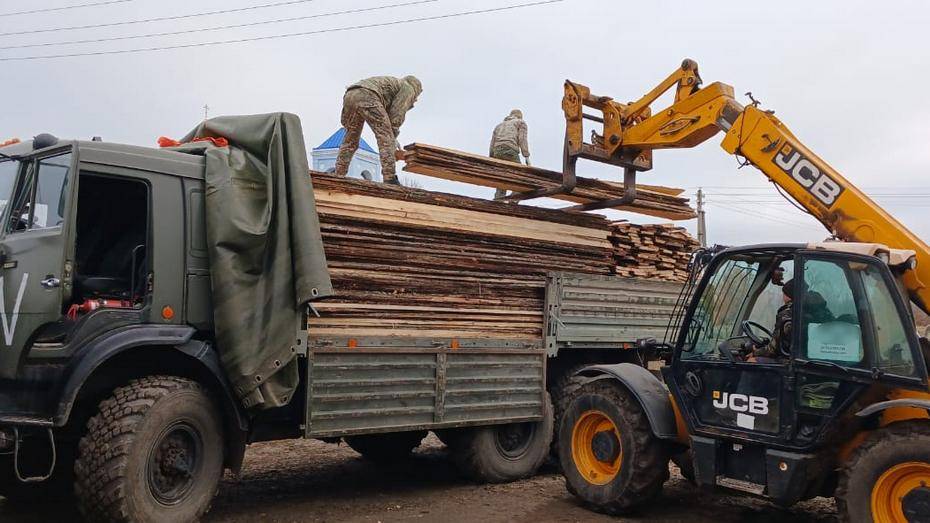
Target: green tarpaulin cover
266 251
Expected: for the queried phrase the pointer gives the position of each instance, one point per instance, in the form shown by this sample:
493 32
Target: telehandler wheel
610 458
384 448
153 453
504 453
562 392
887 479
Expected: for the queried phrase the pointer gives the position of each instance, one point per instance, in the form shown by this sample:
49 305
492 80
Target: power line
64 8
763 216
286 35
221 27
157 19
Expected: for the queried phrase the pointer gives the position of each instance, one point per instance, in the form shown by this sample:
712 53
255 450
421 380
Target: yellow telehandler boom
630 132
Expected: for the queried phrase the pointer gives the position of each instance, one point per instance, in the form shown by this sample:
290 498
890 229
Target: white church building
366 164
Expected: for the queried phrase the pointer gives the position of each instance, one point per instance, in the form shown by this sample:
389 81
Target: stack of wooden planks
475 169
414 263
660 251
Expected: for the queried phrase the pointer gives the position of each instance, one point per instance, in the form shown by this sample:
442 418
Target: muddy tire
562 392
153 453
611 459
384 448
504 453
888 477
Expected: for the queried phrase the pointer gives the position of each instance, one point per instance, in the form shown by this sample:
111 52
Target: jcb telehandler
793 371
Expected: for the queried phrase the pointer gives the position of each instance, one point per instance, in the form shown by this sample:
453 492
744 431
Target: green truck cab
84 310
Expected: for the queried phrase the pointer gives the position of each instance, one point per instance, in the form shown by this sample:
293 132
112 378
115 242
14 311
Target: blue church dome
334 141
366 164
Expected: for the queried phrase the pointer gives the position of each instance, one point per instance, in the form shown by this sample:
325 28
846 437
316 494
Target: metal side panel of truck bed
388 384
586 311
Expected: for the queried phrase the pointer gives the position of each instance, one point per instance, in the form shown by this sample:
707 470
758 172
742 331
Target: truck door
720 392
36 276
853 331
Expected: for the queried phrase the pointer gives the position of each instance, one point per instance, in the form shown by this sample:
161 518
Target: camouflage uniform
382 102
508 141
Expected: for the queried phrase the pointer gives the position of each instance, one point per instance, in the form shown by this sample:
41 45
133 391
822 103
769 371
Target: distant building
365 165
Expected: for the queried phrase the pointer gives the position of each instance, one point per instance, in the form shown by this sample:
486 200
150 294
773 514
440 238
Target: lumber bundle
475 169
659 252
408 262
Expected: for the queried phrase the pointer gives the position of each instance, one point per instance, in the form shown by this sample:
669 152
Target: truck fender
99 351
90 357
649 392
879 407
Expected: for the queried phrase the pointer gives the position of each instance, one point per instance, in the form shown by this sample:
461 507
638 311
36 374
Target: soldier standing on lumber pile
508 141
382 102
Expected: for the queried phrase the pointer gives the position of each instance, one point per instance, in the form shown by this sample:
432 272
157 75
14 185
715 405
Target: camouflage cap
415 83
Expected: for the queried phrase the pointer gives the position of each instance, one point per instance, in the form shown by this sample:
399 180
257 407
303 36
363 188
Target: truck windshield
8 172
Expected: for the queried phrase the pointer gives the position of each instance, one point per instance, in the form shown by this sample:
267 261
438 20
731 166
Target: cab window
772 298
830 321
9 169
893 352
720 308
40 197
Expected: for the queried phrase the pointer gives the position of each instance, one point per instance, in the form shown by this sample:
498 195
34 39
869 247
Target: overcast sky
848 77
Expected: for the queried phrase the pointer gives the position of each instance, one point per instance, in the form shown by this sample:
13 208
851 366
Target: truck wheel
611 459
887 479
388 447
503 453
153 453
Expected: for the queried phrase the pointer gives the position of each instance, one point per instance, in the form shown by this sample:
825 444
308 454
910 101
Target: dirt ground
311 481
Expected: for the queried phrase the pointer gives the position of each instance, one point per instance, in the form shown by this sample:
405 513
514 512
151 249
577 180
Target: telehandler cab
793 371
841 412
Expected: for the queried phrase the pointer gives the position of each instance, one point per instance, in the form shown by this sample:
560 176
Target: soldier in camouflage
509 141
382 102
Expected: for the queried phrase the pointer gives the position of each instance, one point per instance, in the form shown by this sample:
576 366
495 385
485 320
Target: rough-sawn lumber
439 162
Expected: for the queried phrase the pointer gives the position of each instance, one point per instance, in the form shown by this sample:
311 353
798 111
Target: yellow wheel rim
596 447
889 491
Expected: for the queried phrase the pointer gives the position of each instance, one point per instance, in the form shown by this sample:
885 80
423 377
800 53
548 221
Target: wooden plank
444 218
325 181
413 263
470 168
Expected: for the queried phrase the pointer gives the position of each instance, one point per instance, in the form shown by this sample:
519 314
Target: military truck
114 383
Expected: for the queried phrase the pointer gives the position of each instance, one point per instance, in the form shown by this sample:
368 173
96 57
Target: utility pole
206 112
701 226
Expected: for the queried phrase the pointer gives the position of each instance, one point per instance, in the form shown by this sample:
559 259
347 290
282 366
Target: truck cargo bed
605 312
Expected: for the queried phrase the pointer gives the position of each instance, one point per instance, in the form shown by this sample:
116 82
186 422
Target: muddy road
311 481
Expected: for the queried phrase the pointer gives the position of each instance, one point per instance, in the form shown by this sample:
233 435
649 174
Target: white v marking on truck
9 326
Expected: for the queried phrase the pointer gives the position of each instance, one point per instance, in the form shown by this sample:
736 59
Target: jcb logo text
819 184
741 403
